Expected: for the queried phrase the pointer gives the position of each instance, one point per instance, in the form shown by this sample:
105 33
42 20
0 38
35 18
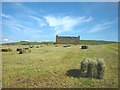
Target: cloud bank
65 23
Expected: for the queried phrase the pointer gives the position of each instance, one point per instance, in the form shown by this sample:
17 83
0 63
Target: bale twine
93 68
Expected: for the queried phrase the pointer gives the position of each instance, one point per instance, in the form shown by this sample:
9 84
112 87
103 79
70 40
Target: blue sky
39 21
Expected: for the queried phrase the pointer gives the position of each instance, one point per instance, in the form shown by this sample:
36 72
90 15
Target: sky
42 21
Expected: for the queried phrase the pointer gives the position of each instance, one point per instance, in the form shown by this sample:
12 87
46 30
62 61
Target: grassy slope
47 67
89 42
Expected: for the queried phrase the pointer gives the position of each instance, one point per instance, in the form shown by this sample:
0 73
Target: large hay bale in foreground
22 51
93 68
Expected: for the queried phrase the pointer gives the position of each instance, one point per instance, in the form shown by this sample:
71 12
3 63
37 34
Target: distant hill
83 42
95 42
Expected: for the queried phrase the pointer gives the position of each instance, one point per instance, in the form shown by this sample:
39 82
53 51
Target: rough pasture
59 67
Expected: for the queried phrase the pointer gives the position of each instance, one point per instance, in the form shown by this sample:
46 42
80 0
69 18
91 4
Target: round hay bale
93 68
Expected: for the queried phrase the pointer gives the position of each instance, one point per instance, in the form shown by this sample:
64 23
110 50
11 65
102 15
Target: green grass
49 66
82 42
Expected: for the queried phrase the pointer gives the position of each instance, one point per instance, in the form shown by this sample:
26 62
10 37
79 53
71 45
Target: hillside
87 42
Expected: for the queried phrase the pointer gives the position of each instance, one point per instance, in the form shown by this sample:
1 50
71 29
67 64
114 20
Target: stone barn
67 39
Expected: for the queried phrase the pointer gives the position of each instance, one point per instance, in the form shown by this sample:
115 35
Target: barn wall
60 39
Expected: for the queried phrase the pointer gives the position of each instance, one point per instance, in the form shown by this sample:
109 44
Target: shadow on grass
74 73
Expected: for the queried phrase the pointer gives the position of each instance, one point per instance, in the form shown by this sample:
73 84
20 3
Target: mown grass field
57 67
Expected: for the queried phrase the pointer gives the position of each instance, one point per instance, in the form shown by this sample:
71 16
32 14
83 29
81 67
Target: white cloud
40 21
65 23
42 24
6 16
24 8
100 27
5 40
11 22
15 25
26 40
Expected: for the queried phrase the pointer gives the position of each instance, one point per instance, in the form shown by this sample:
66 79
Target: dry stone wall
72 40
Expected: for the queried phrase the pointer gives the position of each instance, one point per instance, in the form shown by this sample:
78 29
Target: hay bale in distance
56 45
26 48
18 49
68 45
22 51
6 50
93 68
84 47
64 46
37 46
9 50
31 46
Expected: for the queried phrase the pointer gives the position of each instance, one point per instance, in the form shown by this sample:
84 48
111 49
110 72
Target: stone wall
72 40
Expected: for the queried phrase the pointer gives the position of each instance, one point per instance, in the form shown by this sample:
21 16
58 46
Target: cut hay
56 45
68 45
22 51
93 68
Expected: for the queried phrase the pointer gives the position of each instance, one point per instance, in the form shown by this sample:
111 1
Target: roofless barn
67 39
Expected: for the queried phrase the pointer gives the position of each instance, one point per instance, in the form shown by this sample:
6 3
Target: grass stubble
51 67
